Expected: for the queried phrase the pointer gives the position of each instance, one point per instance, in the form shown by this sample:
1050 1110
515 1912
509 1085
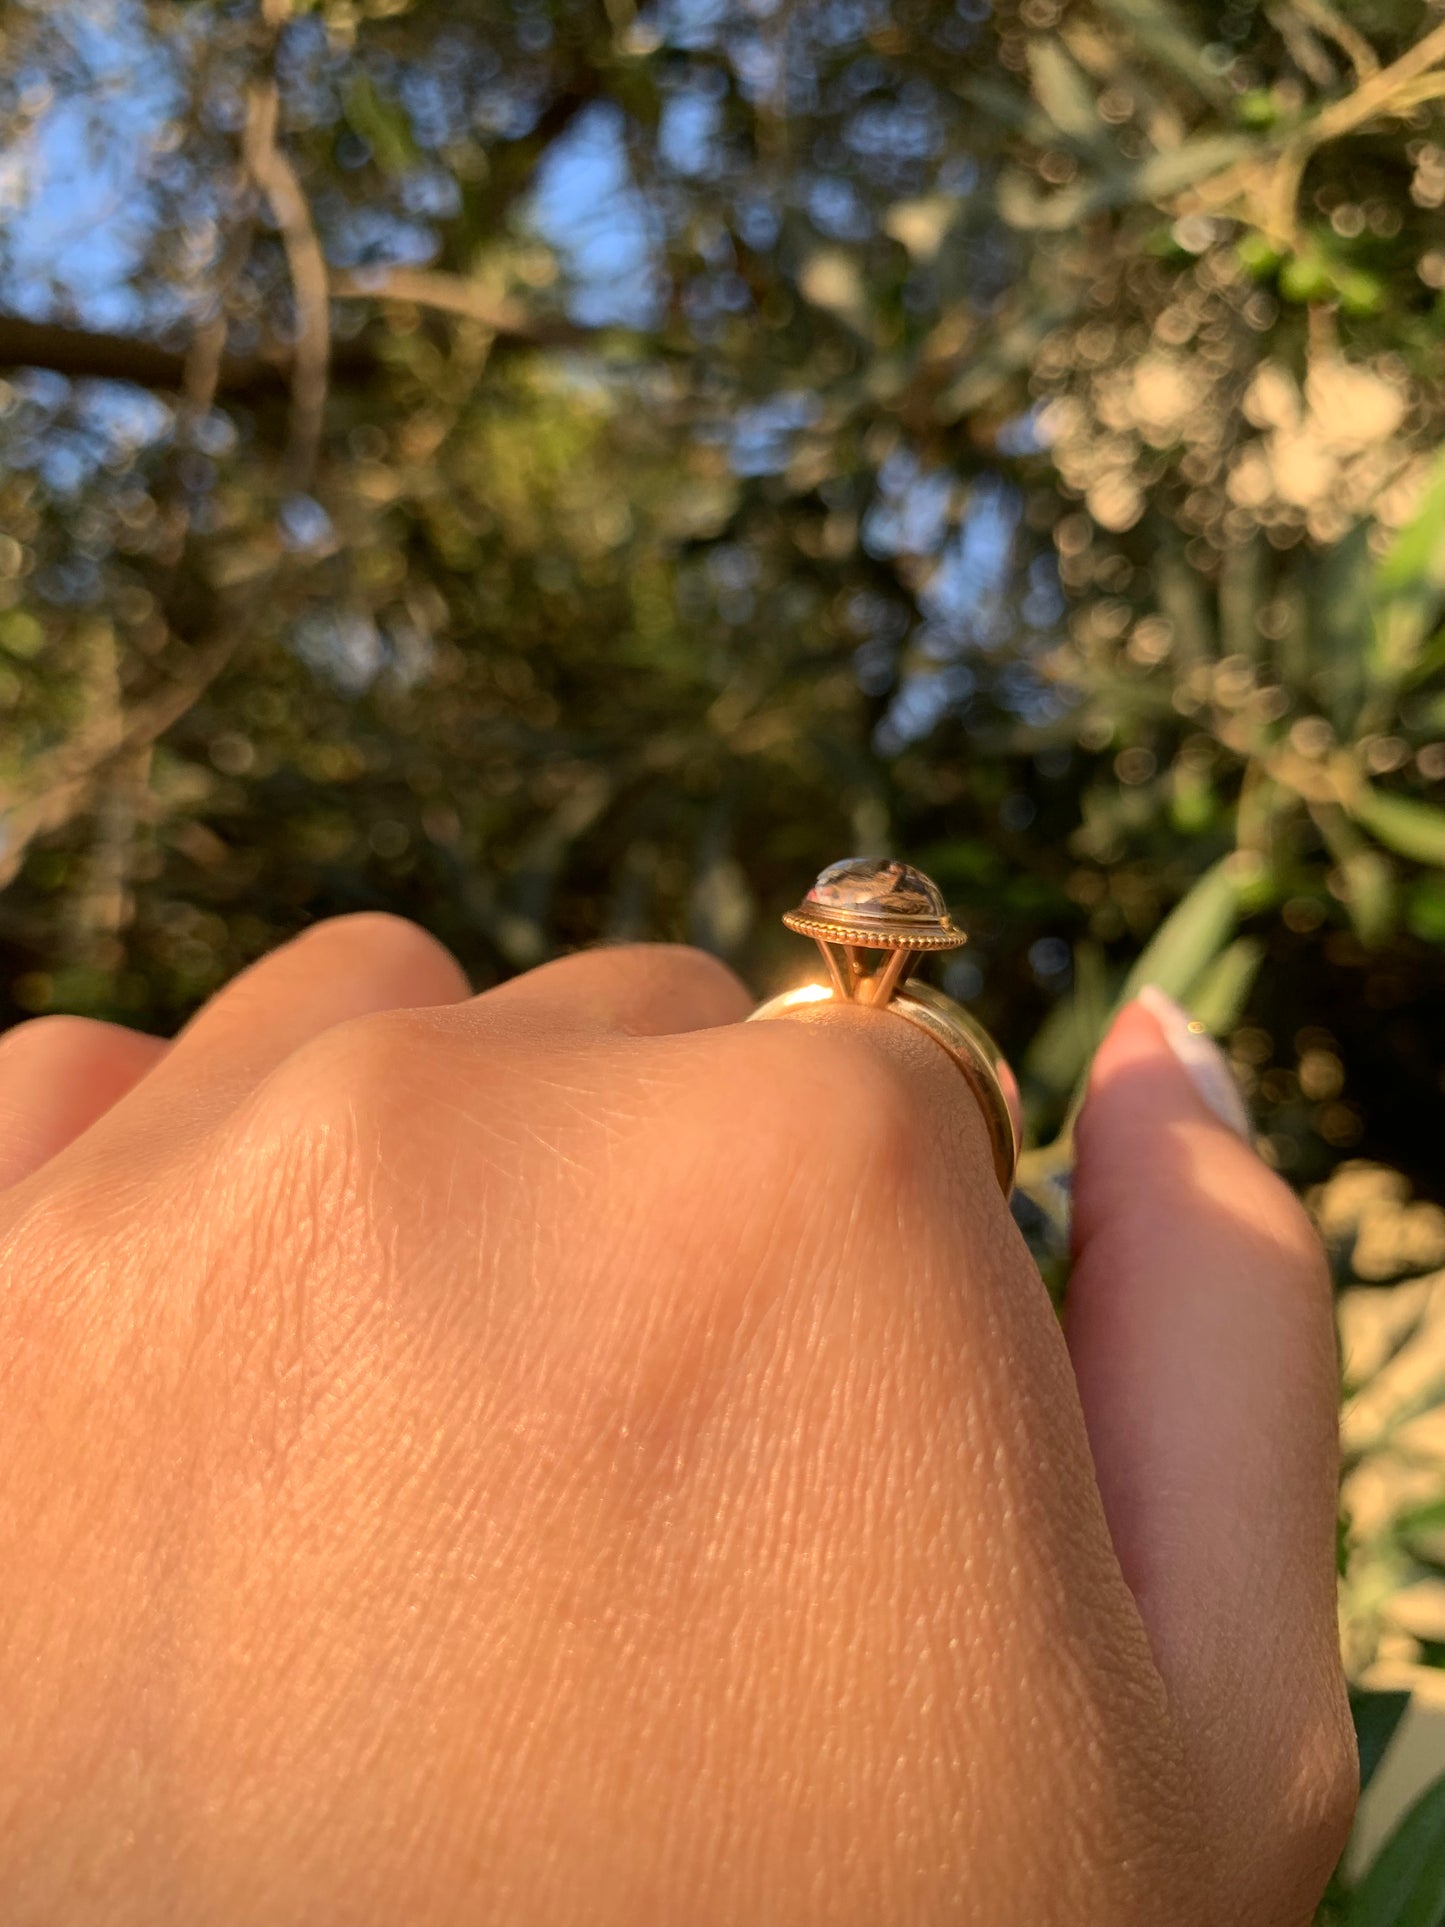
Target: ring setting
874 922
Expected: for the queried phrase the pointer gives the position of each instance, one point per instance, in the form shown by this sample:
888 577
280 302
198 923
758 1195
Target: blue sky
79 210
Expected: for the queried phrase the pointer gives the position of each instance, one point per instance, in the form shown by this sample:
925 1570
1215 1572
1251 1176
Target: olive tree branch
1267 188
270 168
1350 41
64 781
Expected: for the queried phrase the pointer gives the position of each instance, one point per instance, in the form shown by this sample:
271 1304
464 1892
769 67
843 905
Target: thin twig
206 357
1376 95
430 289
103 884
1269 184
201 376
275 177
102 904
1305 50
1350 41
66 778
1428 87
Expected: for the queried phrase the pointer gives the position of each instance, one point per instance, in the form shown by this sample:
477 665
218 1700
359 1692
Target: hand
566 1456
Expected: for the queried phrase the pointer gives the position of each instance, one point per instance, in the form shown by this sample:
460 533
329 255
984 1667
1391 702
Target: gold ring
861 906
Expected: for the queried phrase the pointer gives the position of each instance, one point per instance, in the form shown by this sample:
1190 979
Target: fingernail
1202 1059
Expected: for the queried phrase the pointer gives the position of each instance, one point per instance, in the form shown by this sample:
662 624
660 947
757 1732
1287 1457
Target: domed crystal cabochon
877 904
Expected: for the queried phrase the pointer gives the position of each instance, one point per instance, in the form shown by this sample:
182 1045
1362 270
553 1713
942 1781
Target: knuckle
47 1040
357 1068
705 976
326 1151
842 1094
378 935
638 983
310 1142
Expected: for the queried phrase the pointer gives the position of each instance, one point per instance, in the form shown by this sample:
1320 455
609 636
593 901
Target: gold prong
888 979
835 970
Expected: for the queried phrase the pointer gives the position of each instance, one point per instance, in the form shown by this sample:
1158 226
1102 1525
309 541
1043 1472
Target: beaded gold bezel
875 936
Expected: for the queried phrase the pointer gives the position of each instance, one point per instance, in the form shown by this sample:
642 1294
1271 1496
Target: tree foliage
567 471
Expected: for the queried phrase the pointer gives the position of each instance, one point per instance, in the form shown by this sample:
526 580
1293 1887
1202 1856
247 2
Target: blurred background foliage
567 470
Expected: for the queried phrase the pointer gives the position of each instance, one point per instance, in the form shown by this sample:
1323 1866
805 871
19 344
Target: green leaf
1258 108
1179 167
21 635
1371 901
1022 206
1069 1035
1343 624
1405 1886
1316 271
1410 584
1184 947
1241 595
1360 292
1193 805
1425 911
1306 277
1376 1716
1192 936
1410 828
1427 712
381 124
1000 102
1429 1517
1417 553
1219 997
1066 96
1181 598
1369 880
1258 256
1156 179
1160 32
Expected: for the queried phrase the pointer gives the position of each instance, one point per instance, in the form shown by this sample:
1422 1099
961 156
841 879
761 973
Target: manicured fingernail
1202 1059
